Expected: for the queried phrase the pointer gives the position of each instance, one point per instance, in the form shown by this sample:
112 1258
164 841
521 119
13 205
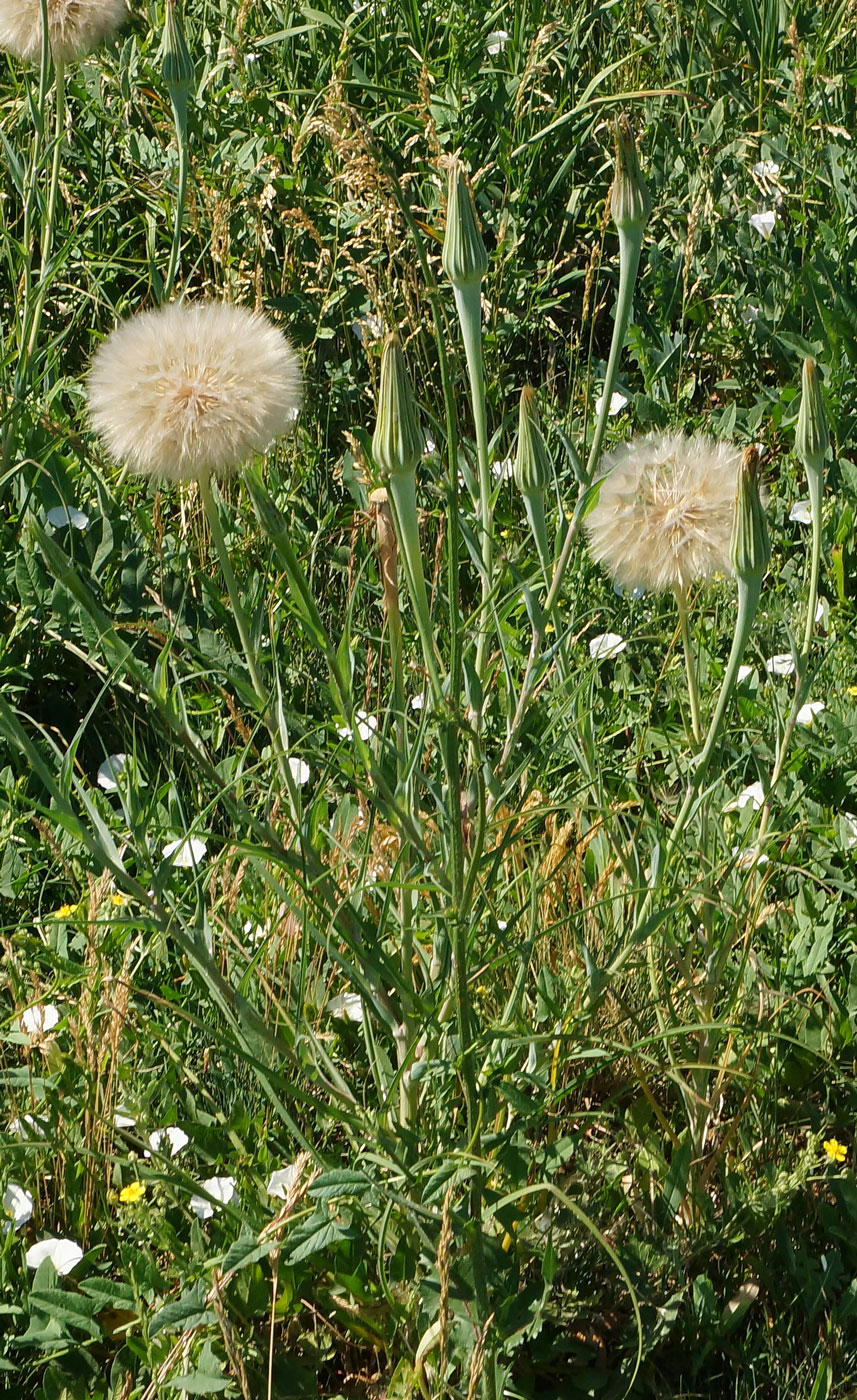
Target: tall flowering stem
465 262
212 515
178 74
631 207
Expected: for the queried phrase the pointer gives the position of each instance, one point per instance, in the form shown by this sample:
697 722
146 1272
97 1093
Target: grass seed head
74 26
665 510
190 389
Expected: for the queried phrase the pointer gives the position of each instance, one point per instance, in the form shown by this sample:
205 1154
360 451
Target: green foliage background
741 1258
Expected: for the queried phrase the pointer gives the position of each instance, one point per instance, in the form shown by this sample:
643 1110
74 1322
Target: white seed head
193 388
664 514
74 26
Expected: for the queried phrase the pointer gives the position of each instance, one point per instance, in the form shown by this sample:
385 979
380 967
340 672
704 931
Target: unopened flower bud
812 438
631 205
751 547
398 443
464 258
533 470
177 67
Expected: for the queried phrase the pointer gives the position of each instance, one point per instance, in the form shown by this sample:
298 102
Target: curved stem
213 517
180 118
689 663
630 247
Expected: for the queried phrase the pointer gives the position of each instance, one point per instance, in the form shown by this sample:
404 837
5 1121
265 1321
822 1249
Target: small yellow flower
129 1195
549 627
65 911
836 1151
119 900
852 690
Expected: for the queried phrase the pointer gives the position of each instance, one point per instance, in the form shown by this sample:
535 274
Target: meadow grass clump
398 995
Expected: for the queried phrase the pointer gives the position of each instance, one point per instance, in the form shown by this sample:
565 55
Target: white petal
20 1127
17 1205
110 770
59 516
753 795
607 644
123 1120
417 702
38 1020
497 40
503 470
801 512
281 1182
764 223
746 860
822 608
750 315
783 664
744 673
617 403
222 1188
172 1137
807 713
186 853
347 1007
849 823
299 771
766 170
65 1254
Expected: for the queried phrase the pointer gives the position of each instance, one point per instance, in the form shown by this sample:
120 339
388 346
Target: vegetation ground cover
364 1032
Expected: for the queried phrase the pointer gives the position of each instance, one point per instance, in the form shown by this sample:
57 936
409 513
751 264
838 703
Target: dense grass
620 1126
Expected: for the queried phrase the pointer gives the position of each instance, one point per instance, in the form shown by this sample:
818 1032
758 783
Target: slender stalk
468 302
401 489
815 483
689 663
213 517
180 118
49 219
630 247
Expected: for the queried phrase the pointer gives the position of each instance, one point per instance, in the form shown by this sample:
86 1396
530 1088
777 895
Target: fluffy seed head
74 26
190 389
664 514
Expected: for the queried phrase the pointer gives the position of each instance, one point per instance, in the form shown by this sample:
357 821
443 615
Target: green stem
179 104
630 247
213 517
689 662
401 490
468 302
814 481
48 223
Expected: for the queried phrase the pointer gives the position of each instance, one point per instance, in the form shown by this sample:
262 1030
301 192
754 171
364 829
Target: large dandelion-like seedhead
193 389
664 514
74 26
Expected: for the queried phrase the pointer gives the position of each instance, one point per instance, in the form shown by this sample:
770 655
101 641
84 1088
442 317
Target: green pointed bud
812 438
177 67
398 443
631 205
533 469
464 258
751 547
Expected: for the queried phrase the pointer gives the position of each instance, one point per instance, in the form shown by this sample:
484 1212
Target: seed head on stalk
75 27
193 389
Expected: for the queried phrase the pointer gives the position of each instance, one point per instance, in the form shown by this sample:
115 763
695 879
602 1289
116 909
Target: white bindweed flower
63 1254
347 1007
801 511
766 170
617 403
505 470
59 516
20 1127
664 513
366 726
744 673
17 1207
849 827
807 713
222 1188
281 1182
109 771
162 1138
38 1020
75 27
123 1119
822 608
417 702
193 388
764 223
751 858
496 41
750 315
607 644
299 771
751 796
185 853
783 664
